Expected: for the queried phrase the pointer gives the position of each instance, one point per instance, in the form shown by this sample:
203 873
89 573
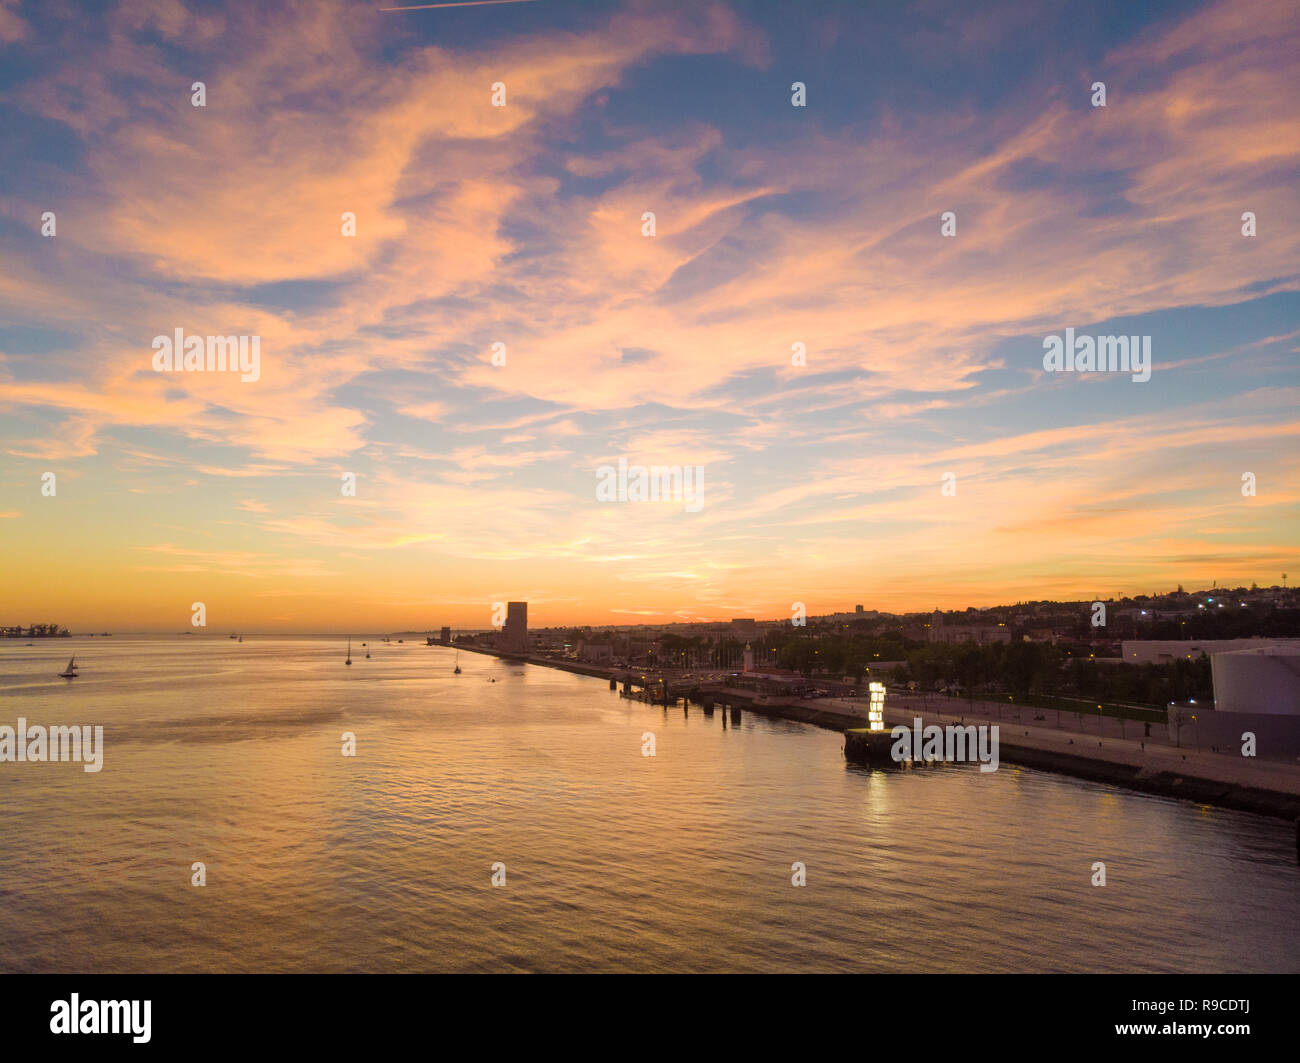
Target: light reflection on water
229 753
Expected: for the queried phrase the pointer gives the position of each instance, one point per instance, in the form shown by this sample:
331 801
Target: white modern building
1256 710
1263 680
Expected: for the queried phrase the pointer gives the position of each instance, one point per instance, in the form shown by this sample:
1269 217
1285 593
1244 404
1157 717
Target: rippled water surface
229 753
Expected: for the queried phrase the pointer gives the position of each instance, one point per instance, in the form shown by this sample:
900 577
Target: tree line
35 631
1016 667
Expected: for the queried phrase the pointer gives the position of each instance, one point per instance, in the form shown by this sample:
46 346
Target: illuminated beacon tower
872 745
876 707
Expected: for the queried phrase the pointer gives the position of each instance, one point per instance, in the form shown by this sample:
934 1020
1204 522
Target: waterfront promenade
1101 748
1151 758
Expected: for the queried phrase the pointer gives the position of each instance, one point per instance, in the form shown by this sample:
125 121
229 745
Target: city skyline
865 397
1276 595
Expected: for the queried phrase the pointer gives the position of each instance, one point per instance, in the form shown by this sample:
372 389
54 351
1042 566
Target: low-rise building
1161 651
983 634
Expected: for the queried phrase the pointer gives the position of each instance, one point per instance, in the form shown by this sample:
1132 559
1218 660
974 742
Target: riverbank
1210 778
1220 779
578 668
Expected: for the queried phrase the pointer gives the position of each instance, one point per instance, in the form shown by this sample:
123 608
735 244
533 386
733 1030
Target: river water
229 754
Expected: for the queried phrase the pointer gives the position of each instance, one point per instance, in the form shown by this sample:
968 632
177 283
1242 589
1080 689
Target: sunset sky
522 225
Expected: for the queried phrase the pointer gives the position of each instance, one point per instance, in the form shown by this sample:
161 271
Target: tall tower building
514 635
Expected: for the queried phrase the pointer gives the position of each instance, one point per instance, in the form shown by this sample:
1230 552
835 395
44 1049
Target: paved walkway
1155 756
1101 738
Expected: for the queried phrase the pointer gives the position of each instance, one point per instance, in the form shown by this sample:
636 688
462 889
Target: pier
872 748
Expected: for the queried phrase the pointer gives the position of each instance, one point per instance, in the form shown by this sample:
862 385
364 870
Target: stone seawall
1147 780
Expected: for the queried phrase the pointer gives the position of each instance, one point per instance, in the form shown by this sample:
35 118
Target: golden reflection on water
230 754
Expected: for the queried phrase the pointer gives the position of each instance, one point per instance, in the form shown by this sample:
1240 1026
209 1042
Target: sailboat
71 671
349 660
241 638
457 672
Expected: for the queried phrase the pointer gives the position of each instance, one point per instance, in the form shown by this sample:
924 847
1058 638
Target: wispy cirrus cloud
522 225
